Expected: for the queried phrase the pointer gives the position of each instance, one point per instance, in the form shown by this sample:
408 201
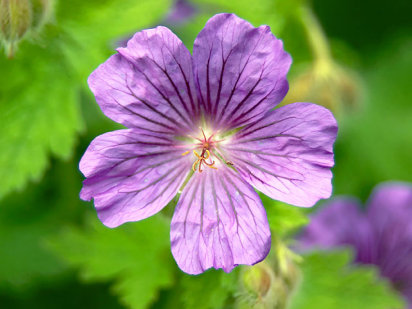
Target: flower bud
266 287
258 279
41 11
259 283
19 18
15 17
328 84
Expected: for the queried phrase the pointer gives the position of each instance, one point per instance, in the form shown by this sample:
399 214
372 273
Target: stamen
207 144
210 164
200 166
194 165
208 154
197 155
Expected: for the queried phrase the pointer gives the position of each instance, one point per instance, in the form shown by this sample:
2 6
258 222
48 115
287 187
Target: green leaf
135 256
329 282
23 257
39 112
210 290
27 219
283 218
39 89
94 29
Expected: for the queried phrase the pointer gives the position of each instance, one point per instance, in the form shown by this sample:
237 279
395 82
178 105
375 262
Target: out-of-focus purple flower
381 235
178 15
202 125
181 11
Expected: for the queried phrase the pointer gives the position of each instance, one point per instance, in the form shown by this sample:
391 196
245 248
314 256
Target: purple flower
181 12
202 125
381 235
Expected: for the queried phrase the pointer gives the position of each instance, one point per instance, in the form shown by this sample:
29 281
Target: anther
205 145
196 154
194 165
197 165
208 154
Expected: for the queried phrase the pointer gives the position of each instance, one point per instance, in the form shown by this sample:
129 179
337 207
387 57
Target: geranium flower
180 13
381 235
202 126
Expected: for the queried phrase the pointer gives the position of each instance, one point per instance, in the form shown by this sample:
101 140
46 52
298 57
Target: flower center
203 157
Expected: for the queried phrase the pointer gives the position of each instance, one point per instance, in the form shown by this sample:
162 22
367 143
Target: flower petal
390 205
287 155
338 222
390 214
240 70
218 222
149 84
132 174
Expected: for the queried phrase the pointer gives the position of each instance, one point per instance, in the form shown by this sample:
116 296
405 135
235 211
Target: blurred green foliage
27 219
39 112
53 250
213 289
135 256
329 282
39 90
283 219
374 142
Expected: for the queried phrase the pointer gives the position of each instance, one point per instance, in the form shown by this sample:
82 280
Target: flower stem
315 35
